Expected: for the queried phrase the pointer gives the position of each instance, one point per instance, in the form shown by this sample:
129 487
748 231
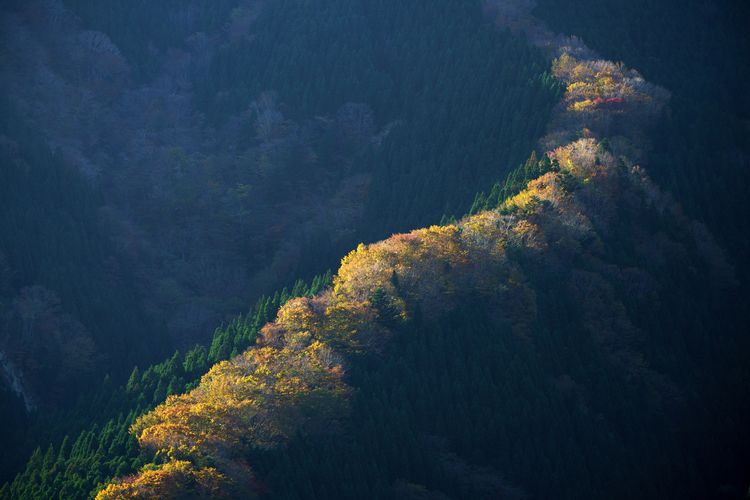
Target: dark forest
299 249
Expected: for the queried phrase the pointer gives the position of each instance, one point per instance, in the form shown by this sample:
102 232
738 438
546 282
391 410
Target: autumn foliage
604 97
177 479
260 398
293 378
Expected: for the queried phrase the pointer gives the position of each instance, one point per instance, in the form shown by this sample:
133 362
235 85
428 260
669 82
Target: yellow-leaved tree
260 398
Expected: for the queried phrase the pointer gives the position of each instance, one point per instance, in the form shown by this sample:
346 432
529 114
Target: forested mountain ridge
561 297
227 173
697 151
210 194
201 219
562 224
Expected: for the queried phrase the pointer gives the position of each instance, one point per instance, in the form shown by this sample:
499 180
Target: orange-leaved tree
177 479
260 398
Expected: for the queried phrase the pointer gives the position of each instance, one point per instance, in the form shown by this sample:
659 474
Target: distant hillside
240 147
69 308
578 334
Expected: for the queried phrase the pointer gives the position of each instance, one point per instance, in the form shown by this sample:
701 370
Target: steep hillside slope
577 335
578 305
